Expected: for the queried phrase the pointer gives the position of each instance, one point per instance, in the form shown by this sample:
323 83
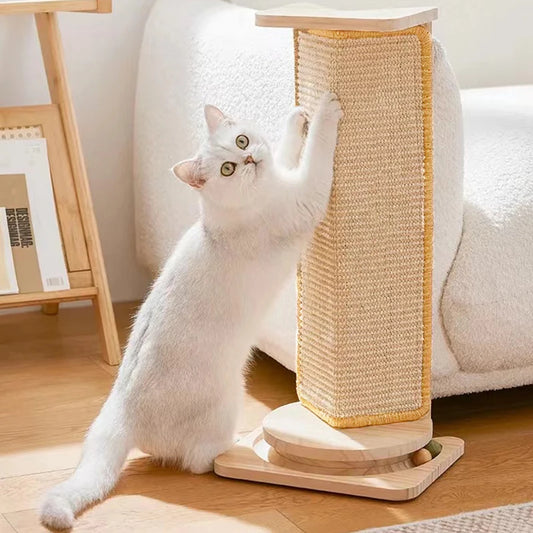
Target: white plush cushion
487 302
487 305
210 51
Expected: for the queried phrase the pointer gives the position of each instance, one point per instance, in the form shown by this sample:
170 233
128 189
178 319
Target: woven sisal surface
364 313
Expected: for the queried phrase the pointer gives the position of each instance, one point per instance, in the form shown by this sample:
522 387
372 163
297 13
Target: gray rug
508 519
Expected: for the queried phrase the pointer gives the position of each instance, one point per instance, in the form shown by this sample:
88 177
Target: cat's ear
188 171
214 117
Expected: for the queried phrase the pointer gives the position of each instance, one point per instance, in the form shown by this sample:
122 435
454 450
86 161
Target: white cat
180 386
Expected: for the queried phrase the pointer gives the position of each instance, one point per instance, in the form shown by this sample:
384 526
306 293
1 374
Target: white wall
101 54
489 42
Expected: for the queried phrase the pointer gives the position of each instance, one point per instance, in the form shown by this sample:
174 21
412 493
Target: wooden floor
52 384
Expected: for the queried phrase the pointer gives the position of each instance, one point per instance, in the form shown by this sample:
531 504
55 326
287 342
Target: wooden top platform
10 7
314 17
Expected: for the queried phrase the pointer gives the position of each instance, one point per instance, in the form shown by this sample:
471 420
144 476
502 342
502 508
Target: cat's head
232 166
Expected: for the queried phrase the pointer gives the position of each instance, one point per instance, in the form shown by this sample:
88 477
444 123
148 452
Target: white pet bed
210 51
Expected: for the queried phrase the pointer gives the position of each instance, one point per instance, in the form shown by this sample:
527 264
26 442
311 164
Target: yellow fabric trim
427 110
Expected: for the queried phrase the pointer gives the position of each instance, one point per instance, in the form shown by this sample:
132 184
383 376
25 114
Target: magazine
27 194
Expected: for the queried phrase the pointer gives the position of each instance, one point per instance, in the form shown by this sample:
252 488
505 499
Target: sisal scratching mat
362 425
364 304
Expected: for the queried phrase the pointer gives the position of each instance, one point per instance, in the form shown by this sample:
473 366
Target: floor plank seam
293 523
71 468
9 523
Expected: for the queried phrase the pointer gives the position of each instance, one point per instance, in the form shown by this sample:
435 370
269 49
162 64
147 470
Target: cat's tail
104 452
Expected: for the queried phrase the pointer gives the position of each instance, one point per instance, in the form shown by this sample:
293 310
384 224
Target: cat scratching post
364 284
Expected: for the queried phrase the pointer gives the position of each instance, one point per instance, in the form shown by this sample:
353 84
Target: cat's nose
249 159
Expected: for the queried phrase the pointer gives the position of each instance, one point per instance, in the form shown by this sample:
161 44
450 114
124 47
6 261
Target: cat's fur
180 386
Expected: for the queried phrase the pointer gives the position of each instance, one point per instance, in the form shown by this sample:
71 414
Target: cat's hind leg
196 453
212 433
200 459
291 143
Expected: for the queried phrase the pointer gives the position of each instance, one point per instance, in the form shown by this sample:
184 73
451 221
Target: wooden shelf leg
51 308
108 329
52 51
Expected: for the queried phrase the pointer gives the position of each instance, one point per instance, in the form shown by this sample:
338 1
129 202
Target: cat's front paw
298 121
329 108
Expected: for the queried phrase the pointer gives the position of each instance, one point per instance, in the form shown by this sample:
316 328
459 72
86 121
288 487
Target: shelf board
37 298
314 17
10 7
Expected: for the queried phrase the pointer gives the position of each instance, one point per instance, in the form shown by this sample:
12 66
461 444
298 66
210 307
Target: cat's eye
242 141
227 168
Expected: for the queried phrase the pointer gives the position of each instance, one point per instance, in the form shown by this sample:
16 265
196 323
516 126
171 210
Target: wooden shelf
10 7
25 299
57 124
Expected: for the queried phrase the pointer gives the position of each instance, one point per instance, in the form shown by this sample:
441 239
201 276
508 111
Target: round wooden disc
295 431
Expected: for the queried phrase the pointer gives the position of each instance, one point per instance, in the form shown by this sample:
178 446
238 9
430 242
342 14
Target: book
27 194
8 278
14 194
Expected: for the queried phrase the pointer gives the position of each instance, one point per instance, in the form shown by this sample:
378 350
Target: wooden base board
253 459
